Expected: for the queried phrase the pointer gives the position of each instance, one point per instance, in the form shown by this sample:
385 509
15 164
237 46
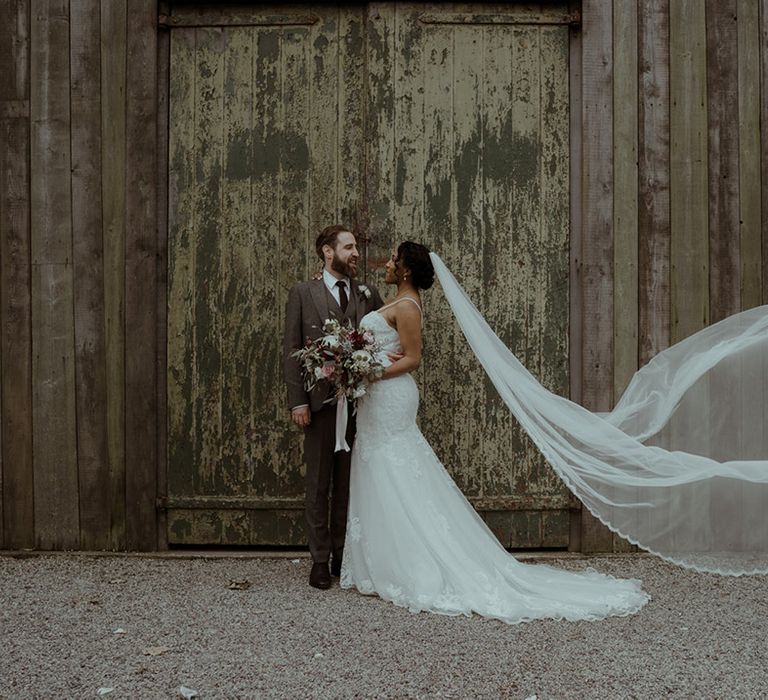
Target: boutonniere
364 291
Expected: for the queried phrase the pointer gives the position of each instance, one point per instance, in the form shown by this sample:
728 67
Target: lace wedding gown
415 540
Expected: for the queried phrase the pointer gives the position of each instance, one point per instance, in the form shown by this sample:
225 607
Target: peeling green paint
466 148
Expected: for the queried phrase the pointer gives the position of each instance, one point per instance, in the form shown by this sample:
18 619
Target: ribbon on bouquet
342 416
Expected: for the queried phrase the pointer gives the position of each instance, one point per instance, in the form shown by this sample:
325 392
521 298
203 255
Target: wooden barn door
411 121
471 126
265 149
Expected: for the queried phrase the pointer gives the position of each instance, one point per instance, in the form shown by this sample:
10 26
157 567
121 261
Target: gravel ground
700 636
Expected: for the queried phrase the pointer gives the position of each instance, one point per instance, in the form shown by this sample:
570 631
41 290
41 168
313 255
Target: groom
334 295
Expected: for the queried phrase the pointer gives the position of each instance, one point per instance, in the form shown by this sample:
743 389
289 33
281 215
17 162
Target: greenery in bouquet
344 357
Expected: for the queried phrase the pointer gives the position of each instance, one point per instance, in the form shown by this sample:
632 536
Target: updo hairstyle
415 257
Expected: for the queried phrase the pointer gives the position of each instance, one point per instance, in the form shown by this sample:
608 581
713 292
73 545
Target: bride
412 537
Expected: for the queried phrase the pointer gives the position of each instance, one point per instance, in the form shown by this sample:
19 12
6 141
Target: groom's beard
343 268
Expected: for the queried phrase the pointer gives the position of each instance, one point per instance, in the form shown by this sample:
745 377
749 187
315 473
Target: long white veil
680 466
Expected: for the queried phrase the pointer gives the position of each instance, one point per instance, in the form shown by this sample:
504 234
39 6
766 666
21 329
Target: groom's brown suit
309 304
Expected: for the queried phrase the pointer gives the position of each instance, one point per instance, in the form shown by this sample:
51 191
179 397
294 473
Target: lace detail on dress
413 539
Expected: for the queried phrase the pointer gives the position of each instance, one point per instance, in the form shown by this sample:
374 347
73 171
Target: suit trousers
327 480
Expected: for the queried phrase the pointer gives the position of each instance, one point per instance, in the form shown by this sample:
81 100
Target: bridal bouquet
343 356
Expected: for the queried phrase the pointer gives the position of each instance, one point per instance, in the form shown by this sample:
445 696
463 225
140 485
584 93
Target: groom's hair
328 237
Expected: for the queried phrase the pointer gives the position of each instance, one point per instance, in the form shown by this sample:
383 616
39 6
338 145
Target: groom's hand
395 356
301 416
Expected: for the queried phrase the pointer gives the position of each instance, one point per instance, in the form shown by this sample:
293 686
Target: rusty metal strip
571 19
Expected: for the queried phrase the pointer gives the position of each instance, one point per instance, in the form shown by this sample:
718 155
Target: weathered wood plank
469 388
750 421
324 134
228 14
689 260
16 485
352 84
90 342
265 204
554 173
141 277
380 48
53 370
625 204
526 303
625 183
748 40
440 328
113 60
161 369
408 207
296 238
575 334
523 15
408 144
723 149
209 137
764 139
182 247
499 264
235 245
723 186
653 177
236 527
597 228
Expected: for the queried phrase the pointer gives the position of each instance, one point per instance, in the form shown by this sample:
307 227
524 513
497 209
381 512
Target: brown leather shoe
336 567
320 577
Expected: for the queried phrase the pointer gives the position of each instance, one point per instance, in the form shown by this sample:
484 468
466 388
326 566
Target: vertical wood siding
689 220
90 330
625 202
762 33
597 245
114 178
673 232
698 194
57 517
723 121
74 171
16 477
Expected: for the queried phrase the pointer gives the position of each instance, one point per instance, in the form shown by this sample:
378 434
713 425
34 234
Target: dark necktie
343 300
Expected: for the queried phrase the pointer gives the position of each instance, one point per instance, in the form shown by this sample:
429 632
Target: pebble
701 635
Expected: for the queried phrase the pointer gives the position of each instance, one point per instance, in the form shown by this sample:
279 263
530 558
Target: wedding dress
415 540
680 465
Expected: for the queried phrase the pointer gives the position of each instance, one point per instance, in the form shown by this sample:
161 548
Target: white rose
331 342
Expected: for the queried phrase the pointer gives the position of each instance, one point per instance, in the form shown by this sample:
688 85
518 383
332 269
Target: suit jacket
309 305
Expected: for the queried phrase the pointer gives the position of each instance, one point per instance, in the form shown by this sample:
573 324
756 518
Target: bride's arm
408 320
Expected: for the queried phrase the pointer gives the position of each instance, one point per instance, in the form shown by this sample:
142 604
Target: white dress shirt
330 282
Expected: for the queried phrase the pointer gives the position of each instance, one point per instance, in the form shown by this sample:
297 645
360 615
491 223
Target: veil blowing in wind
680 466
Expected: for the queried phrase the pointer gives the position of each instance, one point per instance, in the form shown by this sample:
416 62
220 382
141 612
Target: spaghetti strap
397 301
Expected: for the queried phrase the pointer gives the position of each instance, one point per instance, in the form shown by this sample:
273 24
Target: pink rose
328 369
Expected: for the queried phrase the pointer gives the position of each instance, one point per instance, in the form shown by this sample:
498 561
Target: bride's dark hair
415 257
